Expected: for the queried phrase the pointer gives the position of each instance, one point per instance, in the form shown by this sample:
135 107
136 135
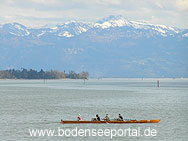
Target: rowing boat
112 121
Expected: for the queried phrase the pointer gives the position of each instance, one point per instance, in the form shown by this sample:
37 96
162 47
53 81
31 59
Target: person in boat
96 119
79 117
106 118
120 117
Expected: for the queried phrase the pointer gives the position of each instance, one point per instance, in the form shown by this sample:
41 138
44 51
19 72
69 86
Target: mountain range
111 47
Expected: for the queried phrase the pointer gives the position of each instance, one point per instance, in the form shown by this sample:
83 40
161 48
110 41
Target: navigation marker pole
158 83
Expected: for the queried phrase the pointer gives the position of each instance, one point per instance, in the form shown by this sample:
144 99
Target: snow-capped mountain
112 21
120 21
15 29
68 29
74 28
111 47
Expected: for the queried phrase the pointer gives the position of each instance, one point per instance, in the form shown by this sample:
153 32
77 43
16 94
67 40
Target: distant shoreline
34 74
105 78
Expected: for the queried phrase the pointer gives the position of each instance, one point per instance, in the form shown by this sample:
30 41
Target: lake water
39 104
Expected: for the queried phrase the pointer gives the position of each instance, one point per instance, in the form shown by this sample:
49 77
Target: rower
120 117
106 118
98 118
79 117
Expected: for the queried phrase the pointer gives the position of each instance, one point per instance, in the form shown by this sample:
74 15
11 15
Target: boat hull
115 122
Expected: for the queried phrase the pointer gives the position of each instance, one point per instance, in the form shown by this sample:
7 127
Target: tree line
34 74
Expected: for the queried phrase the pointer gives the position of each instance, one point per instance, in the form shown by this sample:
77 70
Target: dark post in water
158 83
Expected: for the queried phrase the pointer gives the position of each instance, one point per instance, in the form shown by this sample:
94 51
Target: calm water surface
39 104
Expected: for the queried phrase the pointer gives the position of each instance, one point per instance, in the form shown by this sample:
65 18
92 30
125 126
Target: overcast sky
36 13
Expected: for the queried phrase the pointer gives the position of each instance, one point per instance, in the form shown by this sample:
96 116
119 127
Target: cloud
40 12
108 2
182 4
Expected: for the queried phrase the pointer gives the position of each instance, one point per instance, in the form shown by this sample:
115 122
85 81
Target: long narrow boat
112 121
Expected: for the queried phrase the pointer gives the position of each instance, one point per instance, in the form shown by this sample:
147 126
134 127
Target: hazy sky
36 13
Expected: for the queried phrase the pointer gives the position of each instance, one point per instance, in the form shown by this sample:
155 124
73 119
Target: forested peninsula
34 74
